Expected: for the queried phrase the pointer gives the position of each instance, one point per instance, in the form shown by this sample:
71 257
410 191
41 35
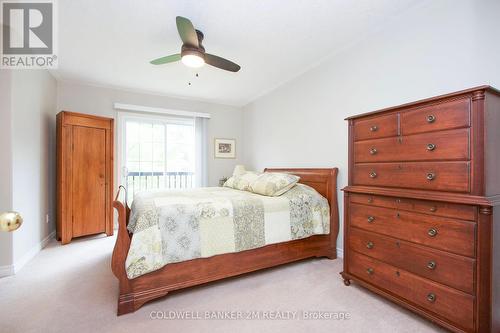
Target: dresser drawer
437 176
463 212
453 114
443 145
437 232
436 265
377 127
449 304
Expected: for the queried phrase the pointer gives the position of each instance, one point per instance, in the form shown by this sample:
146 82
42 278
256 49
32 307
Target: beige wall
33 159
301 124
5 168
225 122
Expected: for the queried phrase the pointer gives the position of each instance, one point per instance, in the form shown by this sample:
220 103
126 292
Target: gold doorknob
10 221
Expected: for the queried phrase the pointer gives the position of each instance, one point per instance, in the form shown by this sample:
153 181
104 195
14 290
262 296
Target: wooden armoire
422 207
84 175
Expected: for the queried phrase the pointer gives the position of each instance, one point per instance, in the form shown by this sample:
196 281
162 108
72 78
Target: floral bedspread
173 226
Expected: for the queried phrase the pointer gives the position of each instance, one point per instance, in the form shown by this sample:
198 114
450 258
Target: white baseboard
340 253
6 270
18 265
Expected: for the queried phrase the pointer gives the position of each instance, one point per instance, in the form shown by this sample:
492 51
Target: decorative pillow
242 182
273 184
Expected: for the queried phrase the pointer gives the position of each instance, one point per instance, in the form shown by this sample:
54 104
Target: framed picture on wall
225 148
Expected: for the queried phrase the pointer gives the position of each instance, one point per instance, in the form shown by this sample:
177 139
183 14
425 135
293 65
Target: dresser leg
347 281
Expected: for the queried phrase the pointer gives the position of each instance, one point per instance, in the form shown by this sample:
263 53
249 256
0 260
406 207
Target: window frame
164 119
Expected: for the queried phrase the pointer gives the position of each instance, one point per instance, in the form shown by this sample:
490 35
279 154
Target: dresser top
427 100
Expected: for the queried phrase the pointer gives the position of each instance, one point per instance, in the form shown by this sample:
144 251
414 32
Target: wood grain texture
462 200
88 180
134 293
454 114
450 304
434 208
451 235
378 127
439 266
84 175
446 176
446 145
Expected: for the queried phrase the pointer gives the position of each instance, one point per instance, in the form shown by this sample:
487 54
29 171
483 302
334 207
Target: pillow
273 184
242 182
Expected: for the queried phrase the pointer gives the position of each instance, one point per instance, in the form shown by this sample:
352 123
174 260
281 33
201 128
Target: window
157 152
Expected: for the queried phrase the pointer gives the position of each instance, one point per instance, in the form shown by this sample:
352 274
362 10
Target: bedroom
296 73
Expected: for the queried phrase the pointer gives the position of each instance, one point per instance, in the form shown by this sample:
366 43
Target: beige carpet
71 289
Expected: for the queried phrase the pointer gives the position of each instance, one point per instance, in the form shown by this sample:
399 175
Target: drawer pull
431 147
431 118
373 151
373 174
431 297
370 200
371 219
431 176
370 271
369 245
431 265
432 232
433 209
374 128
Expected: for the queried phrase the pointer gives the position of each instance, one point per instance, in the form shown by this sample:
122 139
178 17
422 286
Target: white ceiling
110 42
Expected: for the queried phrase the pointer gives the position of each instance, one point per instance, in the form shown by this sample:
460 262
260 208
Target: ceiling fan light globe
192 60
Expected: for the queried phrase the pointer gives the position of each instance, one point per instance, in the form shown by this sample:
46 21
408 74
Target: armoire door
88 180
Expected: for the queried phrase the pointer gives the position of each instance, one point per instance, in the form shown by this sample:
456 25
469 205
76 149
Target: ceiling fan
192 52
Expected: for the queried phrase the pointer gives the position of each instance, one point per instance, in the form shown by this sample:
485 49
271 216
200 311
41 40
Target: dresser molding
477 91
426 195
395 204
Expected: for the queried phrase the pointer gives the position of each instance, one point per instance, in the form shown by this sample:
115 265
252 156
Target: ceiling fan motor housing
193 50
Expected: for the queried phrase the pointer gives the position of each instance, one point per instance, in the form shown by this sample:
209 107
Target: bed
144 277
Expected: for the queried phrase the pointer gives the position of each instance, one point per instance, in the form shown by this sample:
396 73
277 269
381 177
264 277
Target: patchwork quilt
174 226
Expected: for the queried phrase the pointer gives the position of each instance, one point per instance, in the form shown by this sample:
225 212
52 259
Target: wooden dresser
422 208
84 175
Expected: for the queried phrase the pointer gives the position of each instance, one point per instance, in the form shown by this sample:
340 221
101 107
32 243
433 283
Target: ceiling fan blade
221 63
166 60
186 31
